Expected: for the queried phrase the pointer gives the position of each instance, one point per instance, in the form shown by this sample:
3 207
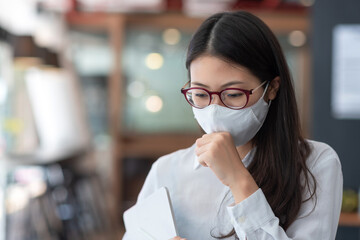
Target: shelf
278 21
44 157
349 220
91 21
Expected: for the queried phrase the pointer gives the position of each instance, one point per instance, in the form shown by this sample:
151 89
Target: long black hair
280 159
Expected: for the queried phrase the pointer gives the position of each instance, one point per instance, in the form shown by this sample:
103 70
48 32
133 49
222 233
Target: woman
259 179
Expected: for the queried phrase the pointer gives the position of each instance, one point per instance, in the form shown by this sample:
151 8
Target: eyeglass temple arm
253 90
186 84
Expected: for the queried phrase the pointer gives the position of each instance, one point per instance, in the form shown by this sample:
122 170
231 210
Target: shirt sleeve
150 185
253 218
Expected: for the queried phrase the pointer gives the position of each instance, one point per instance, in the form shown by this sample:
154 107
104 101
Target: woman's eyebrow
231 83
198 84
222 86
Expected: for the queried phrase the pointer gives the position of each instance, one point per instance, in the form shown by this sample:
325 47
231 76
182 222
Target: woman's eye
234 95
200 95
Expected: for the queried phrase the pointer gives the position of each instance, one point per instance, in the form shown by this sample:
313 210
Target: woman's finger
202 162
201 149
205 139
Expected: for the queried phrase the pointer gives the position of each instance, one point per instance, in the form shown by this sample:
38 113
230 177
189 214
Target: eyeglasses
234 98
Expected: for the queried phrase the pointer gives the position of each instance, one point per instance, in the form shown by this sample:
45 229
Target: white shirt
204 206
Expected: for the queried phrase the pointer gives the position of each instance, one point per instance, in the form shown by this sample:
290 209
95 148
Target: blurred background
90 98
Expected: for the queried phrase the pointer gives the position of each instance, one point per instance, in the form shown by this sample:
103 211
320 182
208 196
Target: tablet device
152 218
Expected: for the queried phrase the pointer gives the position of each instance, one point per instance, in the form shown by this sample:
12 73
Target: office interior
90 98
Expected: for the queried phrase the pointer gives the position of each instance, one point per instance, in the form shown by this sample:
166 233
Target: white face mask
242 124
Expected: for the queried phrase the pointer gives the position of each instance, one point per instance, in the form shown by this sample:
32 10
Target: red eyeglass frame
247 93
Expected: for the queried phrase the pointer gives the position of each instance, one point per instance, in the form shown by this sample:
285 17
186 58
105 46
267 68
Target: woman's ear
273 88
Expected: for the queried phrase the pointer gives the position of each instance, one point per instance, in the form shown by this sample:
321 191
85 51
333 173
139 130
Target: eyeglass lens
231 98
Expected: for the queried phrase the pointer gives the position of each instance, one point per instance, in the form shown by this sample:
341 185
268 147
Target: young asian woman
252 175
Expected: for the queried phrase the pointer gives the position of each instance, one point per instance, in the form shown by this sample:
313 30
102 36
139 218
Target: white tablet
152 218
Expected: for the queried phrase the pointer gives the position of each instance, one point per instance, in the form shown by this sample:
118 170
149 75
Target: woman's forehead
213 70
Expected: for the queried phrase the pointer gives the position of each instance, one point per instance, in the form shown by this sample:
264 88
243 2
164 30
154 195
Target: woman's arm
217 151
253 218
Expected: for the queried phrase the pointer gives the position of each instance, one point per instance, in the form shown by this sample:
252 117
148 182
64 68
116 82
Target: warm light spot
17 199
136 89
171 36
154 61
154 104
307 3
297 38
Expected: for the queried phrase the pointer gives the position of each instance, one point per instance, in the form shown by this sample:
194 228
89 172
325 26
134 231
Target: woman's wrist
243 186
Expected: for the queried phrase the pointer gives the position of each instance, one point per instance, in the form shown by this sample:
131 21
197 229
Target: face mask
242 124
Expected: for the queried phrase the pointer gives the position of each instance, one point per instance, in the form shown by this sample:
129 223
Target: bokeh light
154 61
307 3
154 103
297 38
136 89
171 36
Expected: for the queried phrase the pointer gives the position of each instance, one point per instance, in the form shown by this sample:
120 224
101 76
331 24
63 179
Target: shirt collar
196 163
247 159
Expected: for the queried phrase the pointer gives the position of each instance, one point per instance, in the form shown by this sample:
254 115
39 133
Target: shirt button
241 219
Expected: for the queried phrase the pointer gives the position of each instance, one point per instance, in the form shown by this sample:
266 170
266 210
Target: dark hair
280 159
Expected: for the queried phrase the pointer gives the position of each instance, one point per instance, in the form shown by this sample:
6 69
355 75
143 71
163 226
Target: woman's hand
218 151
177 238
